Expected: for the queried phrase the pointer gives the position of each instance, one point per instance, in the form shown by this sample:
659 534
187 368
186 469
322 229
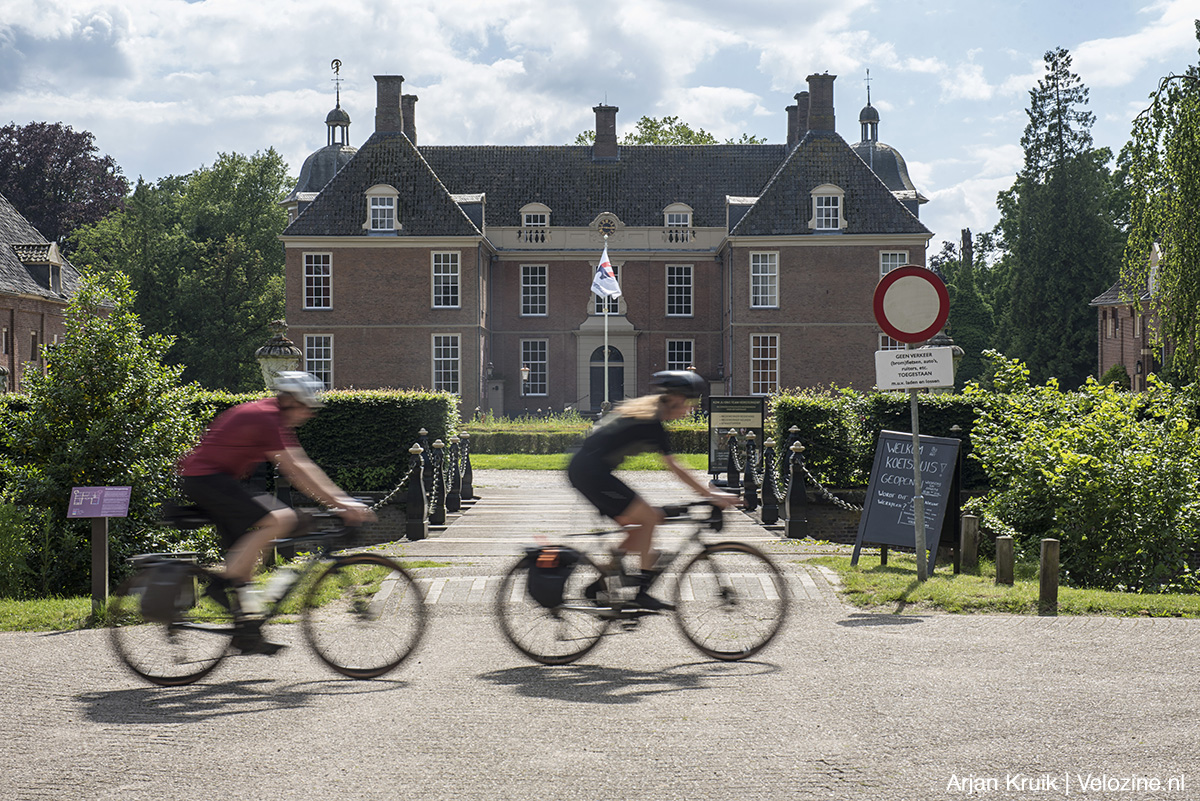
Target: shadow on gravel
880 619
207 702
595 684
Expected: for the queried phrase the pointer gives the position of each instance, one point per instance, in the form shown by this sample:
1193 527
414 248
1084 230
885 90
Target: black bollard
750 482
468 478
797 497
416 524
734 479
770 500
437 510
454 496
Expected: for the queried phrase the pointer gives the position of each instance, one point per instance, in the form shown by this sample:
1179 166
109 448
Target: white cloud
966 82
1116 61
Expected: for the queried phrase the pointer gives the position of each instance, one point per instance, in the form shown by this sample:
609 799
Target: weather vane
337 79
867 81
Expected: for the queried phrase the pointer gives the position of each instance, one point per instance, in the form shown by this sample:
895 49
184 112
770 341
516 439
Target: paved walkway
520 507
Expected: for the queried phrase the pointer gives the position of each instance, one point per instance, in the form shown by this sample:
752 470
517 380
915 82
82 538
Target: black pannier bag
549 569
169 592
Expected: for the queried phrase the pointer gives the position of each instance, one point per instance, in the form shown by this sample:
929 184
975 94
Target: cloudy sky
165 85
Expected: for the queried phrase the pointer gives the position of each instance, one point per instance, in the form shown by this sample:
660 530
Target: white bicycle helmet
304 387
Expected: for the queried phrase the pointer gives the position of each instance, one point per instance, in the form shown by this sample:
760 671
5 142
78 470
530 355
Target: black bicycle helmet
680 382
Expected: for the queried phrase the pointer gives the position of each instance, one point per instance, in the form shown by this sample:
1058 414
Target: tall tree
1057 233
971 322
1163 178
107 412
56 178
202 253
669 131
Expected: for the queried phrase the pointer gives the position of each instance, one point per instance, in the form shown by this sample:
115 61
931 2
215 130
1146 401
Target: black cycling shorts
610 495
233 506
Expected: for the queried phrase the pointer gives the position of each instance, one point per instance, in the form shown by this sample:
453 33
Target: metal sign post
99 504
911 305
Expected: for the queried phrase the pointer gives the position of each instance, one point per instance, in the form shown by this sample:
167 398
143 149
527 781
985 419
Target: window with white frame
764 364
679 290
1110 323
445 280
680 354
891 259
536 219
383 214
533 290
827 209
318 281
764 280
4 346
34 353
445 363
533 356
318 356
1137 323
677 218
382 210
887 343
613 304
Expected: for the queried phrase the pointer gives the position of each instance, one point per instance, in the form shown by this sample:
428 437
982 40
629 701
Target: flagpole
604 404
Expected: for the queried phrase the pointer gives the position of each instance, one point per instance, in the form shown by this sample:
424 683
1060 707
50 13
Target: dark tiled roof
426 208
636 187
1118 295
21 244
785 206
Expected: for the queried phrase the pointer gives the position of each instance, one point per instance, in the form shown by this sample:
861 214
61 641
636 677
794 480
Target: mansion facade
455 267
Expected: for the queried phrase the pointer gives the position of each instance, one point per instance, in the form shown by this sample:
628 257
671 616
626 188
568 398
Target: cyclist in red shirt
247 519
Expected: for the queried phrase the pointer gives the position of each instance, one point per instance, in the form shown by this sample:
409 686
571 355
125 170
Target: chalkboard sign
888 516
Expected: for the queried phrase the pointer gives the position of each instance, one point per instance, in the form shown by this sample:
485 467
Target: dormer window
677 219
827 211
382 210
535 223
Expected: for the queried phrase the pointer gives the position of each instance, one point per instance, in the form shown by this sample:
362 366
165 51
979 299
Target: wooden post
969 539
1004 560
99 563
1048 579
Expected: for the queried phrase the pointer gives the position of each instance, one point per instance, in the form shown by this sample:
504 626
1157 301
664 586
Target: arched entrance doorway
616 377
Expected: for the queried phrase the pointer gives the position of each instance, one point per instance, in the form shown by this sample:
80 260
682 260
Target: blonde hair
646 407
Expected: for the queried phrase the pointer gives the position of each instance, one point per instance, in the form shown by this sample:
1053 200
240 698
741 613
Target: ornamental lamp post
278 355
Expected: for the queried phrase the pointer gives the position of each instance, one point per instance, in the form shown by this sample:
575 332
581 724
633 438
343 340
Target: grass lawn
895 588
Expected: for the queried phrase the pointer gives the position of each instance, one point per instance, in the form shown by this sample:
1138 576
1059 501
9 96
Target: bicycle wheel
555 636
730 600
364 615
175 653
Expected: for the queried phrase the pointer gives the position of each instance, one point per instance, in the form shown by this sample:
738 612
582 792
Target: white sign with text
914 369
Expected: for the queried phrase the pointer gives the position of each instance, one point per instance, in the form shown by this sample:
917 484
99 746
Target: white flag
605 283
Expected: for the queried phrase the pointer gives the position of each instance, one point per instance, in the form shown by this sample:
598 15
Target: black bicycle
362 613
730 598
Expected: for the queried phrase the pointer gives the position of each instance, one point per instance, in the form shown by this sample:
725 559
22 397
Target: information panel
725 412
99 502
888 516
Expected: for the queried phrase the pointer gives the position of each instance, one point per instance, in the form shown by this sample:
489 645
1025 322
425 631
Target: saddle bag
549 569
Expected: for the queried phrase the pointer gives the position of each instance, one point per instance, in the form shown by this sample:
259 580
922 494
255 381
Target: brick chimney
605 146
387 104
408 116
820 102
797 120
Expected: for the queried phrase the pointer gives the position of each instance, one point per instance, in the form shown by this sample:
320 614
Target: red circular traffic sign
911 303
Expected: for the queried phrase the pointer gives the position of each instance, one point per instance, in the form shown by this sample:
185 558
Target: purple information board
99 502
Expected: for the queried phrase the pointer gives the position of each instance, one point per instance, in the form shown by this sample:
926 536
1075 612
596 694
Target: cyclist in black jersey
636 426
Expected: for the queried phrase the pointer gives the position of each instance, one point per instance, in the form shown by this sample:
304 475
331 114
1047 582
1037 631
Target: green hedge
361 438
839 429
686 437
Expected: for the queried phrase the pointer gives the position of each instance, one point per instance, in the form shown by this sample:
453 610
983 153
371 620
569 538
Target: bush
1109 474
